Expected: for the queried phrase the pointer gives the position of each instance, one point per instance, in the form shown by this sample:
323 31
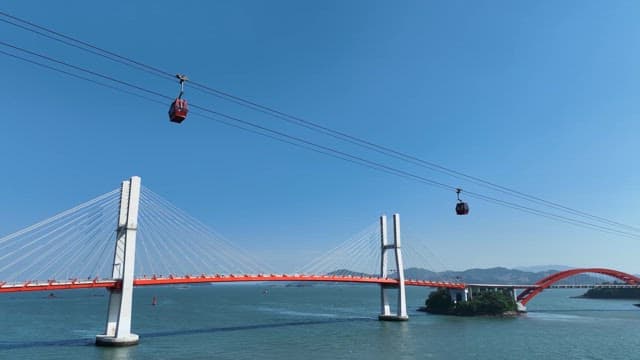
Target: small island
612 293
490 303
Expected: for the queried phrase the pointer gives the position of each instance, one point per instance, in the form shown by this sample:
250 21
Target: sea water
266 321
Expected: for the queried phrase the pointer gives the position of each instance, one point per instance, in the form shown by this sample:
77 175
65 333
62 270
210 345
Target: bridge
53 285
54 254
594 286
550 282
529 293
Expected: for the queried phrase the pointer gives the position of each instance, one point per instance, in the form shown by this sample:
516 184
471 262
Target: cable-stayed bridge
155 243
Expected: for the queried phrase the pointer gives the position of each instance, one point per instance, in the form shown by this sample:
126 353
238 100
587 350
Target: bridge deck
589 286
52 285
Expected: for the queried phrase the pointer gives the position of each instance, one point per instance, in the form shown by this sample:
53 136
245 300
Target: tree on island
612 293
484 303
439 302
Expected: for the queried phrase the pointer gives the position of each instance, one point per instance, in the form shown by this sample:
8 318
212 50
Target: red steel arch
531 292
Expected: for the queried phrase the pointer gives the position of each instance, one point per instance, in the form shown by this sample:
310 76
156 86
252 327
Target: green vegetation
612 293
439 302
484 303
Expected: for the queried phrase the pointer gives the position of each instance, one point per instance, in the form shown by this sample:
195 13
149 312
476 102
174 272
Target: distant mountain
540 268
496 275
346 272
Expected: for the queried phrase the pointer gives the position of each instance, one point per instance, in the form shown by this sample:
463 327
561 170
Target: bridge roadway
588 286
556 286
53 285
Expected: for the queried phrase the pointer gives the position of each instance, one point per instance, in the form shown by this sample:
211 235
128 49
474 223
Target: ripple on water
286 312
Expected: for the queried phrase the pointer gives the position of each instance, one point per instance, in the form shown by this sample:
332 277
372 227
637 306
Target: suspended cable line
91 72
300 142
80 77
303 146
553 216
86 46
321 148
82 45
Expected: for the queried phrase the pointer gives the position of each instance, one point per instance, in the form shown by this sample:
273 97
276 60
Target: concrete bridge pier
521 308
118 328
401 302
460 295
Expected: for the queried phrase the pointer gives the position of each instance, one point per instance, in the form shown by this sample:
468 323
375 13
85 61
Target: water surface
319 322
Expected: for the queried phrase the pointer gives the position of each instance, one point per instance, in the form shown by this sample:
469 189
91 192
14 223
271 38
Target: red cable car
462 208
179 108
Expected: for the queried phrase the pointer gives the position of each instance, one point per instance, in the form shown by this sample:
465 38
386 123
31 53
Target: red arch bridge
35 248
531 291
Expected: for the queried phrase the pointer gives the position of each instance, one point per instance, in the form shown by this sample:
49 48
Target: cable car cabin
178 110
462 208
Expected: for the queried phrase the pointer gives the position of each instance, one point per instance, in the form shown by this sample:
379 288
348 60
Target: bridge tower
118 327
401 303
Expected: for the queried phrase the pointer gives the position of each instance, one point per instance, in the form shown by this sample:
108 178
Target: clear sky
539 96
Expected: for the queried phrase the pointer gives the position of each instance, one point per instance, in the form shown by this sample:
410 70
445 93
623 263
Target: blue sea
318 322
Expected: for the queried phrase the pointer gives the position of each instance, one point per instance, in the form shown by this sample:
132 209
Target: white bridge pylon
118 327
401 301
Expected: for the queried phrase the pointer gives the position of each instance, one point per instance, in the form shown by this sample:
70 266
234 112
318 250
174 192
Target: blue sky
541 97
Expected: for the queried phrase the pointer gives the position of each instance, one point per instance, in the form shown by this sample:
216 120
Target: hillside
612 293
496 275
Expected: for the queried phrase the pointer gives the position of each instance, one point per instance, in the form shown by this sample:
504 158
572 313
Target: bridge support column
118 327
520 307
460 295
401 310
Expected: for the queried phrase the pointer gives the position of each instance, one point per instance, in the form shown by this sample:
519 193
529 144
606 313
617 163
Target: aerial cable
129 61
71 41
329 151
91 72
68 40
333 152
49 67
324 149
552 216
